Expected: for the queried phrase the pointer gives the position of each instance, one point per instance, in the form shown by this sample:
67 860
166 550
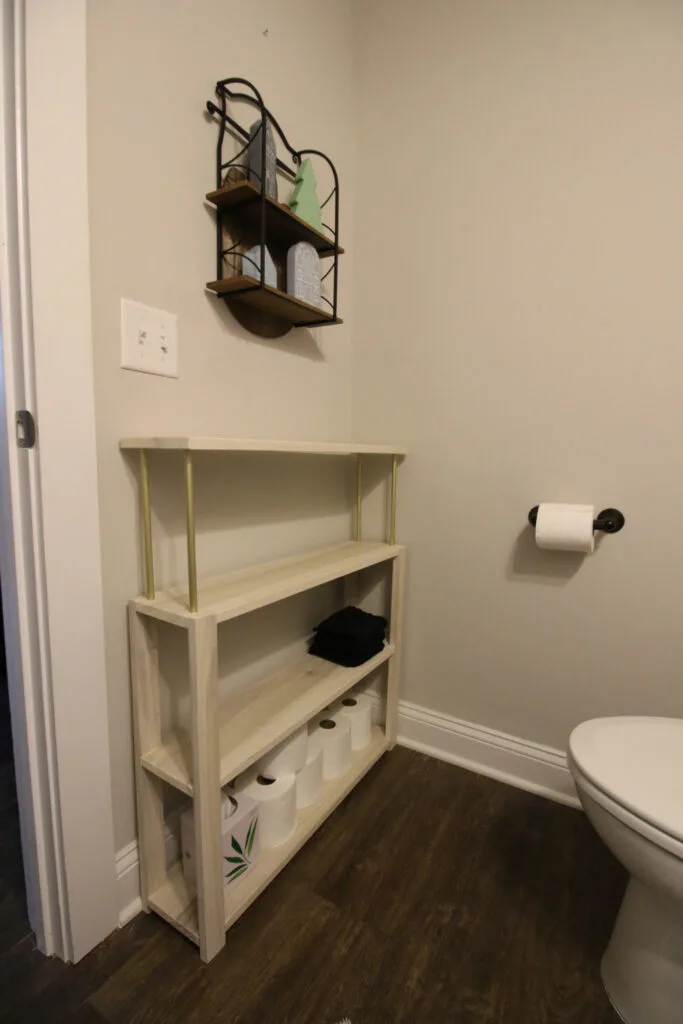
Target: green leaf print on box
243 862
251 832
240 837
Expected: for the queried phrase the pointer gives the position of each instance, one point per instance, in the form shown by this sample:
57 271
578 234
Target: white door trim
55 618
20 570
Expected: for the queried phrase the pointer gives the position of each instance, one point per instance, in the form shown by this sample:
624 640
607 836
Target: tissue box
240 834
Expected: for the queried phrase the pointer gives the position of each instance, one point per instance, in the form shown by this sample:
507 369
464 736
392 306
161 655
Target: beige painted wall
151 68
519 324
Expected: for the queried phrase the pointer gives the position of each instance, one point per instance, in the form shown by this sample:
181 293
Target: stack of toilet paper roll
291 776
272 783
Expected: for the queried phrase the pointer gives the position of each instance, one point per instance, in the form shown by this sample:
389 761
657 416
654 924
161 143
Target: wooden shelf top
272 300
237 593
240 444
254 721
176 901
282 226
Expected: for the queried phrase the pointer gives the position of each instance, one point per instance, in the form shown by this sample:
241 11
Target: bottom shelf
271 300
176 900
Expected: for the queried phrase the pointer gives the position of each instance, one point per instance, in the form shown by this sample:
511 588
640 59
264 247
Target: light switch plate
149 339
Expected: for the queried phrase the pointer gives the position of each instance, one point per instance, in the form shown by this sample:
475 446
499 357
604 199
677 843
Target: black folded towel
355 623
349 637
349 653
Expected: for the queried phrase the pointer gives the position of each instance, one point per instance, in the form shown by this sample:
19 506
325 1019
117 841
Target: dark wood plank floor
433 895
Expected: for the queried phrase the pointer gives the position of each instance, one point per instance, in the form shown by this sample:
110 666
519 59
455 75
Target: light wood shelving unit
223 740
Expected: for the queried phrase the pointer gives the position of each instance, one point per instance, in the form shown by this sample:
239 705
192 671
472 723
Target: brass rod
146 524
359 497
392 520
191 550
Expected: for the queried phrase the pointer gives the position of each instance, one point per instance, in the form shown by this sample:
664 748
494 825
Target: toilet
629 776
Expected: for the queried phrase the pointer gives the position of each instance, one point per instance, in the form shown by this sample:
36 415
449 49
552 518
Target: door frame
50 555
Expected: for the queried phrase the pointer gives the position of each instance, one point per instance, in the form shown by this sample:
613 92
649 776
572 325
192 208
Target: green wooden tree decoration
304 199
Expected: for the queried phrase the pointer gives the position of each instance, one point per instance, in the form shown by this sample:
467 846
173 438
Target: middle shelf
257 719
281 223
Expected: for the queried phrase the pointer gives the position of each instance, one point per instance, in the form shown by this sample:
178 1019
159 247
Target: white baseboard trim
128 883
539 769
128 876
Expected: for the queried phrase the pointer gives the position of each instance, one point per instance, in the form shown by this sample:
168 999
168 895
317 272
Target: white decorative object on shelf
251 265
303 273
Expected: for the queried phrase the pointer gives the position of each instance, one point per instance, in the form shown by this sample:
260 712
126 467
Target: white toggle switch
149 339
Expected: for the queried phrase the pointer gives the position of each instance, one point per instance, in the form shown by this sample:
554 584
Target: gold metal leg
146 524
191 549
359 497
392 517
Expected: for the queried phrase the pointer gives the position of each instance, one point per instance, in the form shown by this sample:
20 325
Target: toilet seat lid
638 762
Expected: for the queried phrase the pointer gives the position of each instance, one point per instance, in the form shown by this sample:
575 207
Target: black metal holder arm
610 520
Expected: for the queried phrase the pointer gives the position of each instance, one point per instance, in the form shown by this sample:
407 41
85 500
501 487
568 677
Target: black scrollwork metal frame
225 92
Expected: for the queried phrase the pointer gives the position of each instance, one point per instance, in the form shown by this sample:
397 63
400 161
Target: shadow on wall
530 564
300 341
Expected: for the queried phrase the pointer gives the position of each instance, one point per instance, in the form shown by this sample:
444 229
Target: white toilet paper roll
376 697
565 527
357 707
333 734
288 757
309 779
277 804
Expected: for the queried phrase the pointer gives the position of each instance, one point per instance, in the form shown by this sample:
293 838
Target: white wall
151 68
516 318
519 325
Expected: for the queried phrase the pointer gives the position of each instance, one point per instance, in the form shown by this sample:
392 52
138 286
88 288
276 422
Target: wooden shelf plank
271 300
260 717
282 226
244 591
176 901
234 444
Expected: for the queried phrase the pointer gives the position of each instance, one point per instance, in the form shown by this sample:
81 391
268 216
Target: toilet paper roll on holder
610 520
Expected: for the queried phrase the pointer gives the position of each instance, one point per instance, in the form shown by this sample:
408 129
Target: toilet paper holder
610 520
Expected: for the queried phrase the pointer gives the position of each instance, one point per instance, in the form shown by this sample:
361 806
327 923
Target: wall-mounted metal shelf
247 216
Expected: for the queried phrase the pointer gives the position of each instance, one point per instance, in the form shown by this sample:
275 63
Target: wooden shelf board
271 300
245 590
254 721
282 225
234 444
175 900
